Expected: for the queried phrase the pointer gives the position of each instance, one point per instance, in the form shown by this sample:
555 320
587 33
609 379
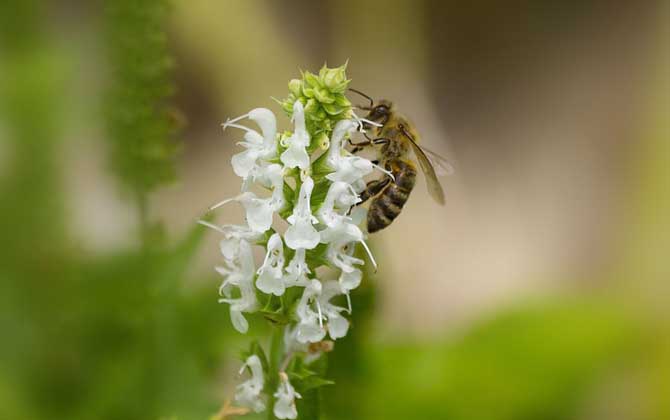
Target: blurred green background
540 291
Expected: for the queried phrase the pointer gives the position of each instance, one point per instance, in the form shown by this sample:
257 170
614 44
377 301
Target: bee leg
373 188
359 146
375 162
380 140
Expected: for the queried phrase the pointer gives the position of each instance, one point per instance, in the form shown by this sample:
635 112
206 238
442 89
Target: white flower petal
244 162
238 320
350 280
271 273
285 404
337 326
267 122
302 235
249 393
310 328
296 155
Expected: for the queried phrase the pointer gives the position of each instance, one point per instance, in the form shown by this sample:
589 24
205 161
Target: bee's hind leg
373 188
362 145
359 146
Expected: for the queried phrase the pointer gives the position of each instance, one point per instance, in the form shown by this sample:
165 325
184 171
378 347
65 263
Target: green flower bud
323 141
342 101
307 91
334 79
311 79
323 96
311 107
333 109
295 87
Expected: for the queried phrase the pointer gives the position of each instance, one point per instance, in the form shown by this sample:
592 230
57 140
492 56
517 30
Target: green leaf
317 257
319 193
313 382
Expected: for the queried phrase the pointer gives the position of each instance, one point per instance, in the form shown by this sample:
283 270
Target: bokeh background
540 291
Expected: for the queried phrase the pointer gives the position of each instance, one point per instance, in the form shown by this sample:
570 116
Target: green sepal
323 96
274 311
317 257
307 377
289 197
319 193
311 79
320 167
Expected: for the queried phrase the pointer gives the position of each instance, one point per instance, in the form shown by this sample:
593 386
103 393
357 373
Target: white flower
350 169
258 146
340 195
301 234
310 326
272 177
337 324
296 153
233 234
297 270
249 392
258 211
286 395
350 280
341 239
239 273
270 275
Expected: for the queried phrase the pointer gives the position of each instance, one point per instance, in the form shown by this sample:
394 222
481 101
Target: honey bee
397 138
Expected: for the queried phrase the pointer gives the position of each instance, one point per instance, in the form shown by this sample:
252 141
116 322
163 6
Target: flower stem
276 354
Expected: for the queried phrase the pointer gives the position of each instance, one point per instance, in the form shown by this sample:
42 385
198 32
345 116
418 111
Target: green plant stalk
276 355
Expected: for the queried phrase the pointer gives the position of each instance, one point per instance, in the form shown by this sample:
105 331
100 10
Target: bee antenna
372 102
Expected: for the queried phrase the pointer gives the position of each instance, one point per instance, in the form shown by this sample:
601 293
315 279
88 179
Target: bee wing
434 187
441 165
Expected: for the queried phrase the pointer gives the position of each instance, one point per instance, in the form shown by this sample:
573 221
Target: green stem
276 354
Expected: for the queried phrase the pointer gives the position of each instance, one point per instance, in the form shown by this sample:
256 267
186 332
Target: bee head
378 112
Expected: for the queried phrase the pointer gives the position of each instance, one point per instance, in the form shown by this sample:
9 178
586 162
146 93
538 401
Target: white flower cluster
316 225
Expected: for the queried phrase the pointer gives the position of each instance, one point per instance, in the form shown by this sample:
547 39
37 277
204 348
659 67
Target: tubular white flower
258 211
337 324
341 239
271 273
285 405
297 270
233 234
302 234
248 393
348 168
296 155
258 146
340 195
310 325
240 274
272 177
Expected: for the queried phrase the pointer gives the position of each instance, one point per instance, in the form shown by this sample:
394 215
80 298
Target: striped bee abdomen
388 204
